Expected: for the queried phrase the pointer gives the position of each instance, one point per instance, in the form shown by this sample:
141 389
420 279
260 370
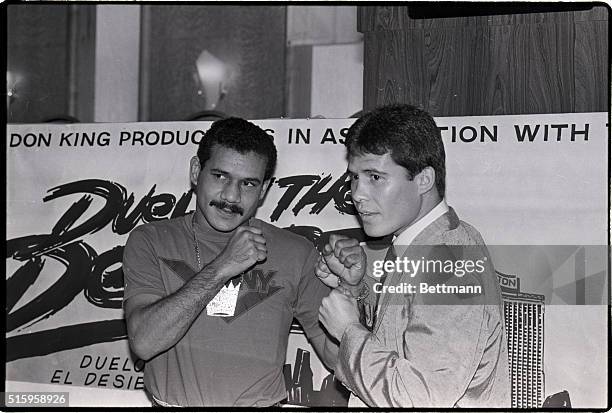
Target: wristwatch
364 291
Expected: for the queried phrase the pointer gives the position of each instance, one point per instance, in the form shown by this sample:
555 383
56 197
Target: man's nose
231 193
358 191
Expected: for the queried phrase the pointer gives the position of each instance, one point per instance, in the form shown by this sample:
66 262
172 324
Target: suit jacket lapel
392 279
429 236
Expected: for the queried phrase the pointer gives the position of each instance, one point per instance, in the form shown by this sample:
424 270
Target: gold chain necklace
195 243
197 249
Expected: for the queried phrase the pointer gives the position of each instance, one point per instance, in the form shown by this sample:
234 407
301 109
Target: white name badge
224 303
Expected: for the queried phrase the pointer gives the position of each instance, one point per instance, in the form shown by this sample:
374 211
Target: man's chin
375 231
224 228
225 223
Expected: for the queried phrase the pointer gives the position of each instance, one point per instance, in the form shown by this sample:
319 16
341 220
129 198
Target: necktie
390 256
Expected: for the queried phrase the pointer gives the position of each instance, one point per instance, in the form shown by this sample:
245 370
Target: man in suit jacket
423 326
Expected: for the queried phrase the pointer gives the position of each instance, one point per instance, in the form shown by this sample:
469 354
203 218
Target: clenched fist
343 260
337 312
245 248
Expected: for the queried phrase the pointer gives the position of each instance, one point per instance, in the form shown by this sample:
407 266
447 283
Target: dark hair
241 136
408 133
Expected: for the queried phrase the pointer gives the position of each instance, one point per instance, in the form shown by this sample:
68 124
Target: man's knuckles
321 273
335 238
346 243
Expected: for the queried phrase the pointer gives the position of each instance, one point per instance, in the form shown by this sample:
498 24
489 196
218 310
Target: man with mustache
210 297
403 346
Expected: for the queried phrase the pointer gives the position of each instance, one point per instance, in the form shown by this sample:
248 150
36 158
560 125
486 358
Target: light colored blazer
430 350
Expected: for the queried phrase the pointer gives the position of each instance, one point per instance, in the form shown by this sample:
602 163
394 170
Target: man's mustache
225 205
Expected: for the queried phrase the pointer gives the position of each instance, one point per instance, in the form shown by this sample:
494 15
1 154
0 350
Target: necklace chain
197 249
195 243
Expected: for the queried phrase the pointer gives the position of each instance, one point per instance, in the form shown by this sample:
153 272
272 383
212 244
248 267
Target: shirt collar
410 233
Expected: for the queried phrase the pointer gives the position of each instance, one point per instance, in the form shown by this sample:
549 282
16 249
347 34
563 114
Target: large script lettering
99 276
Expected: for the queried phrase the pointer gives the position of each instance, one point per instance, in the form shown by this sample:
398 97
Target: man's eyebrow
252 180
247 179
218 171
367 171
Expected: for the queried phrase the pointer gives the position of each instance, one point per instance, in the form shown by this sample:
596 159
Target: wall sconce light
212 76
11 88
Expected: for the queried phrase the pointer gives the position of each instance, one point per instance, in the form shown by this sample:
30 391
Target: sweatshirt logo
257 286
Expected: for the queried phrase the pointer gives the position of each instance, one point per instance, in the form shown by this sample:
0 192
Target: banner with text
74 192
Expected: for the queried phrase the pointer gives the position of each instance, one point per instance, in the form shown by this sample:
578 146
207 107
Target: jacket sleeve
441 348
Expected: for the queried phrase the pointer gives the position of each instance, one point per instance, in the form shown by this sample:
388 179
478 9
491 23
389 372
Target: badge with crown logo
224 303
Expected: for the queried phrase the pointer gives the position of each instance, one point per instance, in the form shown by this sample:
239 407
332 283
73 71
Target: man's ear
194 171
426 179
264 189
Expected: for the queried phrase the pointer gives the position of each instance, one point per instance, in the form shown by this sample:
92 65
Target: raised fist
245 248
343 258
326 276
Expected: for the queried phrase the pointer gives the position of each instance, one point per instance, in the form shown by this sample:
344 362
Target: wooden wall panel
540 62
476 68
376 18
431 67
395 52
174 36
442 50
380 18
550 69
505 88
414 68
591 54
